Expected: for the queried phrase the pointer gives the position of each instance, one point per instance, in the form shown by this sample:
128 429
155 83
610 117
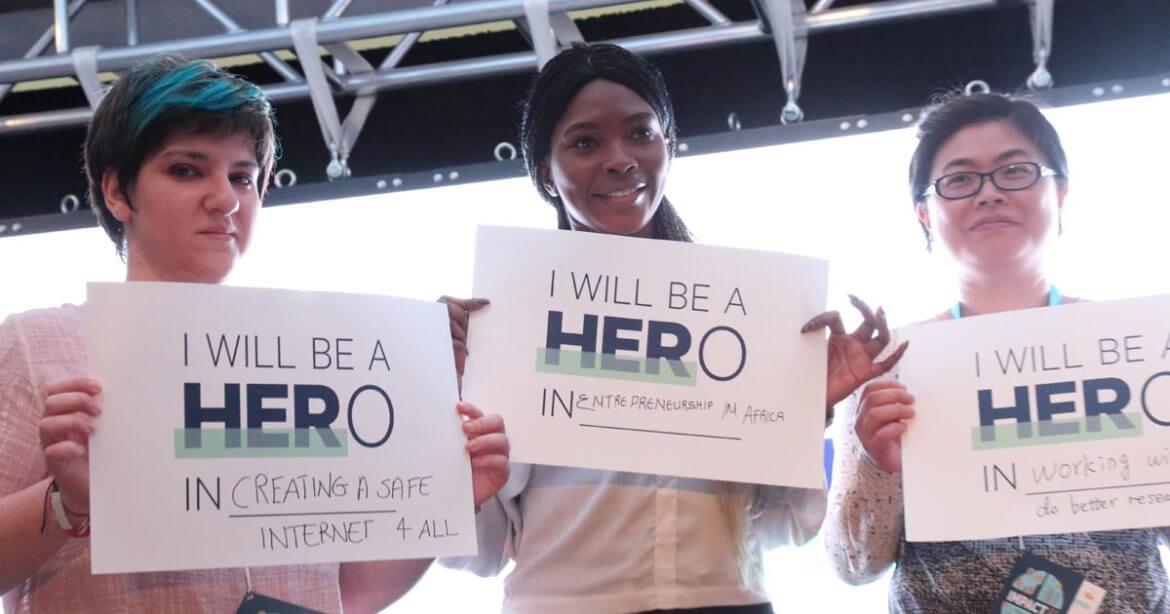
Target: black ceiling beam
860 71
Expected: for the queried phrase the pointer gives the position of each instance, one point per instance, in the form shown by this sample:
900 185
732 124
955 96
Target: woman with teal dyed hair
178 157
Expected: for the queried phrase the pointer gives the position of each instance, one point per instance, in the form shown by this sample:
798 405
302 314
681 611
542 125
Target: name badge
255 603
1039 586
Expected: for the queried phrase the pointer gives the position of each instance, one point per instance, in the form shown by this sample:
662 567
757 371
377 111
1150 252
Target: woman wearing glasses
988 180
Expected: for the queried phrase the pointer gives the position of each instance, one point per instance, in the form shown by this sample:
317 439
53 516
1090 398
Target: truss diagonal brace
781 16
405 45
710 13
1041 12
280 66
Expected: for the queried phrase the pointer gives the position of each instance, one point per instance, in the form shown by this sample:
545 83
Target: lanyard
1054 298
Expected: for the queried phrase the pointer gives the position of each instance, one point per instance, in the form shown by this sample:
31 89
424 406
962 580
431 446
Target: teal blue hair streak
161 97
195 86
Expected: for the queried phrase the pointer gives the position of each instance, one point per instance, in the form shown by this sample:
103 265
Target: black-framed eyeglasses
1014 176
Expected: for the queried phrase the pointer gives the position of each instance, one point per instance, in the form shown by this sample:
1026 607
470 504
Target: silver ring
733 122
284 177
978 86
504 151
70 203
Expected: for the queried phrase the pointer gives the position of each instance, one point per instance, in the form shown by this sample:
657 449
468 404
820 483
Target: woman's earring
1059 223
928 241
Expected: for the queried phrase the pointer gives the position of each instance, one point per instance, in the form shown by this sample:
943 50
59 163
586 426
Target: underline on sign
623 428
313 514
1057 492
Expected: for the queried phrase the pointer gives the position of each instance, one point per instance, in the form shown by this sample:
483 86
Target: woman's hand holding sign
885 407
70 410
488 446
459 311
851 355
486 442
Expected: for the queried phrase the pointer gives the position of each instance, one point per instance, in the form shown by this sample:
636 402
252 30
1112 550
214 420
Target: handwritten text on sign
260 427
1041 421
651 356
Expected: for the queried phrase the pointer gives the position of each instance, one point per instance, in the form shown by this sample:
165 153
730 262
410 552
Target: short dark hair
958 111
160 97
553 90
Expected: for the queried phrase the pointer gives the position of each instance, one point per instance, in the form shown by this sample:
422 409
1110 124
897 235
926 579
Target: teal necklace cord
1054 298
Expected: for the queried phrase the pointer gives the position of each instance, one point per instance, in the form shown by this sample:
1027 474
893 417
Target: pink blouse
43 346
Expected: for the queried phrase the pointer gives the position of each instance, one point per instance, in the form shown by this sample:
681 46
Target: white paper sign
658 357
270 427
1041 421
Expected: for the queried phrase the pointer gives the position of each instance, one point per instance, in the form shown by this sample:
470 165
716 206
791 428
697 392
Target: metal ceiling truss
73 215
544 23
